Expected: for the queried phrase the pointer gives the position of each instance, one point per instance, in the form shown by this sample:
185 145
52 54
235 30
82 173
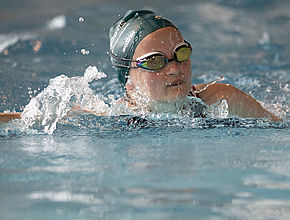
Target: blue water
160 166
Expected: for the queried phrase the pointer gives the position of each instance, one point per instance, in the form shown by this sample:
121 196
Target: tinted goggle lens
153 62
157 61
182 53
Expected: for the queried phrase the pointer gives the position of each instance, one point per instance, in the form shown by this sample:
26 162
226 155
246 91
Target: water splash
69 101
62 96
218 110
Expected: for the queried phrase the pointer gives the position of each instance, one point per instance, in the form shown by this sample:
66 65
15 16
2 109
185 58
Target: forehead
163 40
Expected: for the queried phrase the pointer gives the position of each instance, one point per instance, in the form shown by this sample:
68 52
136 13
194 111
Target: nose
173 68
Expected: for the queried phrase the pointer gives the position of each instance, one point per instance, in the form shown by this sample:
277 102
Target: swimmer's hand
6 117
240 104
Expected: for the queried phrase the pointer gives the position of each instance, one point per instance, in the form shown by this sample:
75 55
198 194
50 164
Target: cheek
145 81
187 71
187 67
136 77
155 85
153 81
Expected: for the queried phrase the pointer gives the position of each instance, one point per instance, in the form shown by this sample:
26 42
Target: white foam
7 40
218 110
265 39
65 196
58 22
92 73
60 97
255 208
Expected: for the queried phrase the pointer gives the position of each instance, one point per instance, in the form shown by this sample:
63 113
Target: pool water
158 166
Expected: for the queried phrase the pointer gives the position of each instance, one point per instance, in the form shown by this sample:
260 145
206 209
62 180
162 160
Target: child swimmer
153 64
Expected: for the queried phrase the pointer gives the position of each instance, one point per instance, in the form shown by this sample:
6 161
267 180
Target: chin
179 94
171 94
179 97
174 97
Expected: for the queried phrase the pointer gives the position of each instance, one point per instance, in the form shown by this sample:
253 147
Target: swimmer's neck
168 106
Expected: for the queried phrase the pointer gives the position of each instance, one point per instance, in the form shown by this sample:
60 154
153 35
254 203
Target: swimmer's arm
240 104
6 117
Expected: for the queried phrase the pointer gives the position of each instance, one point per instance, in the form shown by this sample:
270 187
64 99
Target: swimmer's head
127 33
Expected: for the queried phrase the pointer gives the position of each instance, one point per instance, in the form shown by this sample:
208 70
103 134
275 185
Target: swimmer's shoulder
210 94
240 103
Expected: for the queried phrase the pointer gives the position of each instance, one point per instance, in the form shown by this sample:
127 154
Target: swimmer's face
170 83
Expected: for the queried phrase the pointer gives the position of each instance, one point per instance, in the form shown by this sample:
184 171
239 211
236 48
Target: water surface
162 166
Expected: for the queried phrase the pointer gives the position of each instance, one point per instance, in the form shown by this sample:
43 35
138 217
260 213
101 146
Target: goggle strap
124 66
119 58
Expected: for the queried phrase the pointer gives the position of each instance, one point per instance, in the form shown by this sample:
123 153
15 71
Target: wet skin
173 81
170 83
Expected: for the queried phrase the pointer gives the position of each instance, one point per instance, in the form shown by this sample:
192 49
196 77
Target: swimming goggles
157 60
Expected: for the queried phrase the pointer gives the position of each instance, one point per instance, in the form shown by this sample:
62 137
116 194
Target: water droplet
85 52
81 19
265 39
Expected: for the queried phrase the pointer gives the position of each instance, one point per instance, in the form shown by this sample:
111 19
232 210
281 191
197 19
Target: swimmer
152 61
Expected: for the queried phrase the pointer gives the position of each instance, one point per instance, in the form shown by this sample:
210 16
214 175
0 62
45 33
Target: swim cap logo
115 38
128 40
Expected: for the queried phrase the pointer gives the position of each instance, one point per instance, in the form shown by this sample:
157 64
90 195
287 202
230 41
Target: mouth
175 83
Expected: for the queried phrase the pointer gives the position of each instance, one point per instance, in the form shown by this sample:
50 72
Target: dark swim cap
126 34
